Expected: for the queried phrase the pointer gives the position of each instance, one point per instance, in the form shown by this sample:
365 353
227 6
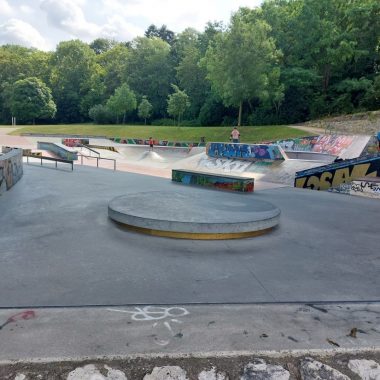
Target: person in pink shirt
235 135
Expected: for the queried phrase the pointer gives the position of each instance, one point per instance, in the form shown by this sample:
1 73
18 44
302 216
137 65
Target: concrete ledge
204 215
215 181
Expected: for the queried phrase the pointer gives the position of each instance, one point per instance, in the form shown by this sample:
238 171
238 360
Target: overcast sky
43 23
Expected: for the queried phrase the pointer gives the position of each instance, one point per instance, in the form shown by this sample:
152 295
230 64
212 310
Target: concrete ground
60 249
74 285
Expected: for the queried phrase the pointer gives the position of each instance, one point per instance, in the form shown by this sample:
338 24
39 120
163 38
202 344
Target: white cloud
68 16
26 9
15 31
119 29
5 8
176 14
123 20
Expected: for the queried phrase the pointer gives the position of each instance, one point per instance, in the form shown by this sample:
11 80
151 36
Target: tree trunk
240 112
326 77
145 121
124 118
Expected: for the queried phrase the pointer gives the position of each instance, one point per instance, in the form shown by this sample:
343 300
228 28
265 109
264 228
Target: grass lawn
248 134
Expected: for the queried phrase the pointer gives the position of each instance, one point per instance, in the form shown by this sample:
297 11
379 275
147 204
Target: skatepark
68 260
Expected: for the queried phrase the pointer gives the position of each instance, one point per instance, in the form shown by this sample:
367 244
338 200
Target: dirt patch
367 123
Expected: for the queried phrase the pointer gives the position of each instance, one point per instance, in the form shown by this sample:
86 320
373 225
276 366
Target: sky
44 23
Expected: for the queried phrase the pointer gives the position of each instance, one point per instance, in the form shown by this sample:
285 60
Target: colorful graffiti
59 149
11 169
244 151
75 142
330 144
220 182
333 175
179 144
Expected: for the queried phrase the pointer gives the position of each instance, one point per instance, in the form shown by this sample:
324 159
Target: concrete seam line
200 355
195 304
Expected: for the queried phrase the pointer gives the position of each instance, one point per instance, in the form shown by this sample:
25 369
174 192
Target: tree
145 109
101 45
164 33
31 99
75 76
177 103
122 102
150 71
114 63
17 62
101 114
240 61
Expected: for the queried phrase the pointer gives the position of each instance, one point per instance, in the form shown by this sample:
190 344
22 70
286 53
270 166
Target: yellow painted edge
196 236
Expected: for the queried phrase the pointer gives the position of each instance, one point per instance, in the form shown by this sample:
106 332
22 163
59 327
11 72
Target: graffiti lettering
244 151
329 144
332 176
363 186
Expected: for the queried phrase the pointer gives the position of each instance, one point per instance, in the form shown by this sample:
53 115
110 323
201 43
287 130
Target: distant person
235 135
151 143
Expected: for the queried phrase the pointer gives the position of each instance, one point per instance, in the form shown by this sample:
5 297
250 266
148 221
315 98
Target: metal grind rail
89 149
97 159
70 162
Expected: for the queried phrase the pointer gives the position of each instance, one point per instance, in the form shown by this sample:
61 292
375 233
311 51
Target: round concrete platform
202 215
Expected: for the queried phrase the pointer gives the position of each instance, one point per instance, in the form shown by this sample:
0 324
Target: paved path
58 242
176 330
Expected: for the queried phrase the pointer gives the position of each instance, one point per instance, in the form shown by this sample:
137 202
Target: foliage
145 109
100 114
164 33
122 102
31 99
285 61
150 71
241 61
178 102
74 73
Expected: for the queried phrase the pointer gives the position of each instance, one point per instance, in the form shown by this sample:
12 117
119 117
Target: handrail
51 159
97 160
90 149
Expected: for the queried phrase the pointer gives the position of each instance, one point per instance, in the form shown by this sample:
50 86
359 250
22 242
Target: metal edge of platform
194 236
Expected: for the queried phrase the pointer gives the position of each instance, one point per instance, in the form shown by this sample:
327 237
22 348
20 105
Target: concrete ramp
149 155
343 146
338 173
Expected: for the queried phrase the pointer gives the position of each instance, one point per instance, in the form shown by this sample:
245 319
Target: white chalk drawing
158 314
152 313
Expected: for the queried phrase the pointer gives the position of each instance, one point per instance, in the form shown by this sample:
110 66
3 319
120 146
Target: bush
101 114
164 122
211 112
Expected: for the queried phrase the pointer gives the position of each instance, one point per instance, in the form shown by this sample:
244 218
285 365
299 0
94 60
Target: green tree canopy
122 102
240 61
150 71
178 102
31 99
144 109
75 77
